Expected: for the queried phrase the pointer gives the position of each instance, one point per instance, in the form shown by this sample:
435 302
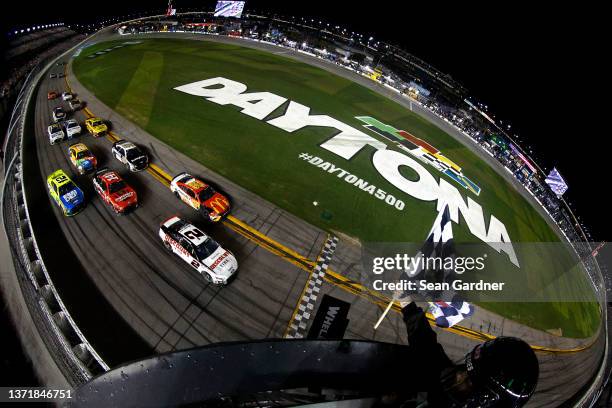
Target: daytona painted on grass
138 81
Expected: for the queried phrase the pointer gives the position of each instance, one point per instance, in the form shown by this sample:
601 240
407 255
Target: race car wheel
205 214
176 194
168 246
208 278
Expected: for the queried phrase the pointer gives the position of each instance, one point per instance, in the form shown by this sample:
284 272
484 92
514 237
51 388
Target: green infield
138 82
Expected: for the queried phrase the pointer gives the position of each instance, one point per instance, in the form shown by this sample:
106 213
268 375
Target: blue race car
68 196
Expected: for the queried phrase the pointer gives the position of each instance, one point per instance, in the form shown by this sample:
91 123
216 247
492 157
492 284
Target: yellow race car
82 158
96 127
66 194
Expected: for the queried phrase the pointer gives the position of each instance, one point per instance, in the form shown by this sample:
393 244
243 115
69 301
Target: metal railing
74 355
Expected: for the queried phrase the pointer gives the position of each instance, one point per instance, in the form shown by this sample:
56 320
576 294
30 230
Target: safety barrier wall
73 354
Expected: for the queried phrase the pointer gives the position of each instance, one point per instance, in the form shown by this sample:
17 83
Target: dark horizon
529 65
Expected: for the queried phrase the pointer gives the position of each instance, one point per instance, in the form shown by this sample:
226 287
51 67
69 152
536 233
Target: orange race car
52 95
200 196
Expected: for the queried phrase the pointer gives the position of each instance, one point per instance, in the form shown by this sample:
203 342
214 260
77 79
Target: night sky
537 68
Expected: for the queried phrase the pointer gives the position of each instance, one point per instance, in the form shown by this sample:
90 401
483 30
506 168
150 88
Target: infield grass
138 80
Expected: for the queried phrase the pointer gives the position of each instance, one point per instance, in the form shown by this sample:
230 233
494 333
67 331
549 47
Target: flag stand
382 317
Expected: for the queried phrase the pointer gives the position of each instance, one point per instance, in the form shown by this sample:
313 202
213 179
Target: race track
165 304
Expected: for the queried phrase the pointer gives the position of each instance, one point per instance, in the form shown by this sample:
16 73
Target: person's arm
420 334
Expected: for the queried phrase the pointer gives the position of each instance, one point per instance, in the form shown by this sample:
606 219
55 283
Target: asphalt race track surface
131 297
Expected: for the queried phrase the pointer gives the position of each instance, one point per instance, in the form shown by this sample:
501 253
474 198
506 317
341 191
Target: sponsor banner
331 320
524 159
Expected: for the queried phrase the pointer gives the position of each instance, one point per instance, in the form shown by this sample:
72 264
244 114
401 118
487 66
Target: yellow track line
303 263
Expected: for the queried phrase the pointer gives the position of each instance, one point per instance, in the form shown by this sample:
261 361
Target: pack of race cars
216 264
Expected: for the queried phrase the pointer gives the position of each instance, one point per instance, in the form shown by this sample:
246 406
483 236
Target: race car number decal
194 234
60 179
110 177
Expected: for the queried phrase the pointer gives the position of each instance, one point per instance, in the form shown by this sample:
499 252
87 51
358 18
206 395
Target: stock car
52 95
203 253
115 191
75 104
58 114
130 155
56 133
82 158
200 196
96 127
66 96
72 128
67 195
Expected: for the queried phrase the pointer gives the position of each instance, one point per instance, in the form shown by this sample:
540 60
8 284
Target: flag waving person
446 306
502 372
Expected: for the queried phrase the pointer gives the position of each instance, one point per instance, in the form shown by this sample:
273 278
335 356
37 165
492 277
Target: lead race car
200 196
203 253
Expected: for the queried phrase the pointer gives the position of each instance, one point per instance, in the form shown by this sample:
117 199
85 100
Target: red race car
52 95
115 191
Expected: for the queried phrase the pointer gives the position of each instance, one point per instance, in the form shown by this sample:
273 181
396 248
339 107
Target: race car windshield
132 154
82 154
117 186
72 124
206 193
65 189
96 123
206 248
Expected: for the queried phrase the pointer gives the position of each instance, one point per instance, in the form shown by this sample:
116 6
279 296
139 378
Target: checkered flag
439 243
446 307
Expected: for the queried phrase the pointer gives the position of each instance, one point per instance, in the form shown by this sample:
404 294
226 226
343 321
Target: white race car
58 114
203 253
75 104
66 96
130 155
56 133
72 128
